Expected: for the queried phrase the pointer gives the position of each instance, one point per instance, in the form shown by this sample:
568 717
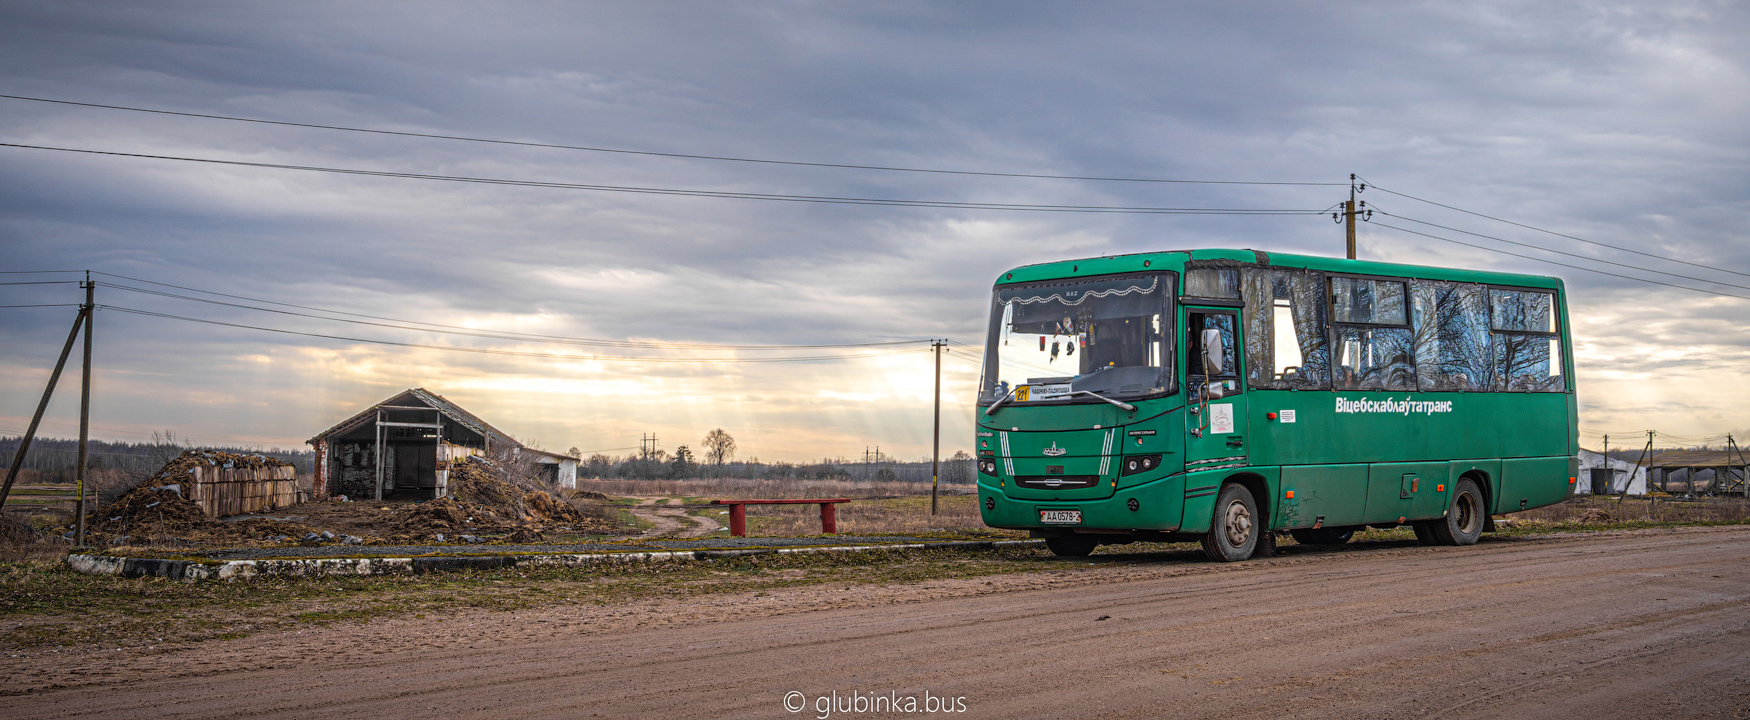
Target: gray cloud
1619 123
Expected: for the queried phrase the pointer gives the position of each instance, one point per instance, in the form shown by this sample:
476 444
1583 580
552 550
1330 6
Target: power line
719 194
1552 232
685 156
1560 252
506 335
622 343
43 305
42 282
515 353
1552 262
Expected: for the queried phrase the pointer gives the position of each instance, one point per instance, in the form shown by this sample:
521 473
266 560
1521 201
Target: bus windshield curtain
1041 308
1286 347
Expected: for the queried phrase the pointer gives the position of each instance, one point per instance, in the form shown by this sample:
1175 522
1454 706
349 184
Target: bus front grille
1057 482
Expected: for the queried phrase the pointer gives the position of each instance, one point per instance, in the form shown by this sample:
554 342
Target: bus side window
1527 352
1286 339
1371 334
1452 336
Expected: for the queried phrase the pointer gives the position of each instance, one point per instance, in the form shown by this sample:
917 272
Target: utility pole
30 433
90 311
1743 469
1348 213
936 442
1645 452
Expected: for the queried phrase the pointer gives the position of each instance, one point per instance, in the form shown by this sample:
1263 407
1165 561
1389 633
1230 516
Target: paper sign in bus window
1221 418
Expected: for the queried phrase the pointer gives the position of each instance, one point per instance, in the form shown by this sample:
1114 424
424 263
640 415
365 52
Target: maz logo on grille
1054 451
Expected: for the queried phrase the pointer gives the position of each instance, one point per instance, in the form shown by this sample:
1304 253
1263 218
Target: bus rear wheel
1233 532
1323 536
1071 545
1463 523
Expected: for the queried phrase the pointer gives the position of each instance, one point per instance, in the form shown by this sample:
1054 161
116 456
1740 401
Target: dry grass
1636 511
46 604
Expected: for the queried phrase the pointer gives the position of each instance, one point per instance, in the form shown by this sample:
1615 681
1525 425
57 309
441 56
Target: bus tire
1071 545
1233 532
1323 536
1463 523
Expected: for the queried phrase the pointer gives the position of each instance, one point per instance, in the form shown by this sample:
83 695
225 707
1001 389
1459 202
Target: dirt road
671 521
1644 624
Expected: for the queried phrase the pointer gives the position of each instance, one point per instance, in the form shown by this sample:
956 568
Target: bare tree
523 469
719 446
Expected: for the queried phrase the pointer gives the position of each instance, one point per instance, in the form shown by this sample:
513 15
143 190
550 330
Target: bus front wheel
1463 523
1233 532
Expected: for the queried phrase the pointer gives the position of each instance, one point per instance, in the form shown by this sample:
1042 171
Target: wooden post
30 433
936 434
1349 219
84 409
379 454
738 520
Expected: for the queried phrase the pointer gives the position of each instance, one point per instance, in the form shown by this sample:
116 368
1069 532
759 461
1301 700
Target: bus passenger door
1215 421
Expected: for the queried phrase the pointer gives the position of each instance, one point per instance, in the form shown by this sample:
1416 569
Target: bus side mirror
1212 352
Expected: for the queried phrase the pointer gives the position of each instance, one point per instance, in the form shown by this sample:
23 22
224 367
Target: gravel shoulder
1628 624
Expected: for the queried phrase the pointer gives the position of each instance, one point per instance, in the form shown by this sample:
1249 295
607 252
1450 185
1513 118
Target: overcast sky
1623 124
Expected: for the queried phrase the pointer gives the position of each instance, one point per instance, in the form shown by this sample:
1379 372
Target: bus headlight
987 466
1134 464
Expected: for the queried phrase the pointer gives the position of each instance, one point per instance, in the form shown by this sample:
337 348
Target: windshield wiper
993 406
999 403
1125 405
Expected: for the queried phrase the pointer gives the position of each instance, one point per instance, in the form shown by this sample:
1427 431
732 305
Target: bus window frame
1558 308
1333 327
1331 300
1168 343
1233 311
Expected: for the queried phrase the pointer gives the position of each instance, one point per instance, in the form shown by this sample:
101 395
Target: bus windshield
1107 335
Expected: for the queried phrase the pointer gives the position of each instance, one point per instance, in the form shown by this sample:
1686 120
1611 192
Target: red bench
829 521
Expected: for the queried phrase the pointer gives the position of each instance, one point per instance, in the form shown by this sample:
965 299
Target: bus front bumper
1155 505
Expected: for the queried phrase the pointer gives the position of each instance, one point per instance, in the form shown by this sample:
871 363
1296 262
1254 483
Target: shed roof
554 455
430 399
1699 458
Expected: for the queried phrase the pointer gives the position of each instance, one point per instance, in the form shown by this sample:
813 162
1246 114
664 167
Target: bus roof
1175 259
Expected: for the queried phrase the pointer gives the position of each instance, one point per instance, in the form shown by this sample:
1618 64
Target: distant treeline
53 459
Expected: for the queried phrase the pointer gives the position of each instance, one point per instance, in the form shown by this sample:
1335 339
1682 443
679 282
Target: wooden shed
400 447
1701 472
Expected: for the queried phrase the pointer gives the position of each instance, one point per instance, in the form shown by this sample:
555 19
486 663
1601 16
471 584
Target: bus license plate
1060 517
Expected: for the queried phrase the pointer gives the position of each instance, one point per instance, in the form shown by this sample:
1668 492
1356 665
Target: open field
1585 625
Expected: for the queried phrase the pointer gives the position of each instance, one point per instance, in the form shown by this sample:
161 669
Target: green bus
1223 395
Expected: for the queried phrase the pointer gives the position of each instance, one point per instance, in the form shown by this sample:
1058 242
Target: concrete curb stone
193 570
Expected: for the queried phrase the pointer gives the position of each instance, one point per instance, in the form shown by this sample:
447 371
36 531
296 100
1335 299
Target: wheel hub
1467 513
1238 524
